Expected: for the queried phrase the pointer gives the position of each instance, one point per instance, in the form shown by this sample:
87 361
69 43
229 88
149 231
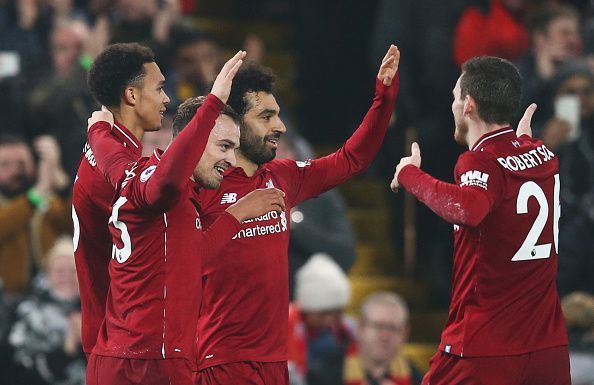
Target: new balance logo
474 178
229 198
269 184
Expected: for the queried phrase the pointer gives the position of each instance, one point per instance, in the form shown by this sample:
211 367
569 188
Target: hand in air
414 159
524 126
222 84
389 66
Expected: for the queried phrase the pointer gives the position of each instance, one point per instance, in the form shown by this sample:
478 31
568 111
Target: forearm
457 205
182 156
362 147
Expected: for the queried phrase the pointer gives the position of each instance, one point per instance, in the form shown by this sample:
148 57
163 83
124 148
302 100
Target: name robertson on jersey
260 230
527 160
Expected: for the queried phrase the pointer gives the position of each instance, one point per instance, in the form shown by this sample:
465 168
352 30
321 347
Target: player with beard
505 324
155 288
126 79
243 324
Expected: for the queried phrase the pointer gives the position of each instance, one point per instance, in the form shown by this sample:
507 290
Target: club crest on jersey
228 198
269 184
301 164
474 178
146 174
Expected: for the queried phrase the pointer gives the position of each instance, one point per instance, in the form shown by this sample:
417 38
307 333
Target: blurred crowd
47 47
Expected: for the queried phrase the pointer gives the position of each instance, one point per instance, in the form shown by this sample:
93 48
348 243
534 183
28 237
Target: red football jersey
245 303
154 295
92 196
505 209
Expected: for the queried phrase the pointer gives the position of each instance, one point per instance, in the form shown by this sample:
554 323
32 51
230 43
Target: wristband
36 199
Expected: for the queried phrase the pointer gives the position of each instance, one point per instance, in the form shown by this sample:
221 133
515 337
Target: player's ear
130 95
469 105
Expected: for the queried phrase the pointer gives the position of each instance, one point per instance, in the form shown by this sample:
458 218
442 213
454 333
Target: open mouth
273 142
220 170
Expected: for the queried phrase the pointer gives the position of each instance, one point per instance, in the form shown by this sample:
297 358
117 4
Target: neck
480 128
247 165
129 119
374 368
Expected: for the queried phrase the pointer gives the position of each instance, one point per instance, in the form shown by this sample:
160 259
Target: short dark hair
12 139
545 15
251 77
186 111
496 86
117 67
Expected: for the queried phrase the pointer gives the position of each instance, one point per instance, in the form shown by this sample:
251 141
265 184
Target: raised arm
184 152
361 148
111 157
460 204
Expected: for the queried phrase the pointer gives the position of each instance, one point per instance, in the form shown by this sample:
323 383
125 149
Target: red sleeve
478 190
112 158
355 156
214 239
175 168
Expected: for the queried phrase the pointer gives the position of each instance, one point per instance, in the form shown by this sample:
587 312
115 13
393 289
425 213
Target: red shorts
544 367
245 373
127 371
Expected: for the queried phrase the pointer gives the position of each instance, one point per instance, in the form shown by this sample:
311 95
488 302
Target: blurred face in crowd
382 331
133 10
581 86
562 39
67 46
17 169
262 128
61 273
318 321
219 154
199 62
461 127
150 99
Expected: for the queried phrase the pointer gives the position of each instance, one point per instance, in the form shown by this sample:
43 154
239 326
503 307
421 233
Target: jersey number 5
120 255
529 249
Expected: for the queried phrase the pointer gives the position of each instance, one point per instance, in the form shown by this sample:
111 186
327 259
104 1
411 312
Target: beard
254 147
461 133
17 186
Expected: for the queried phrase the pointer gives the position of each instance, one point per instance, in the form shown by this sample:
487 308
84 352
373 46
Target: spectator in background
147 22
555 35
319 333
31 214
317 225
576 166
46 334
578 308
197 61
497 31
377 358
60 104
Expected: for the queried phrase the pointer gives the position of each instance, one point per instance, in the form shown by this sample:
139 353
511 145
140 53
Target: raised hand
414 159
222 84
389 66
524 127
257 203
102 115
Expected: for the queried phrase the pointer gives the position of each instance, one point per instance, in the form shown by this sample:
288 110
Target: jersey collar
127 137
490 136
